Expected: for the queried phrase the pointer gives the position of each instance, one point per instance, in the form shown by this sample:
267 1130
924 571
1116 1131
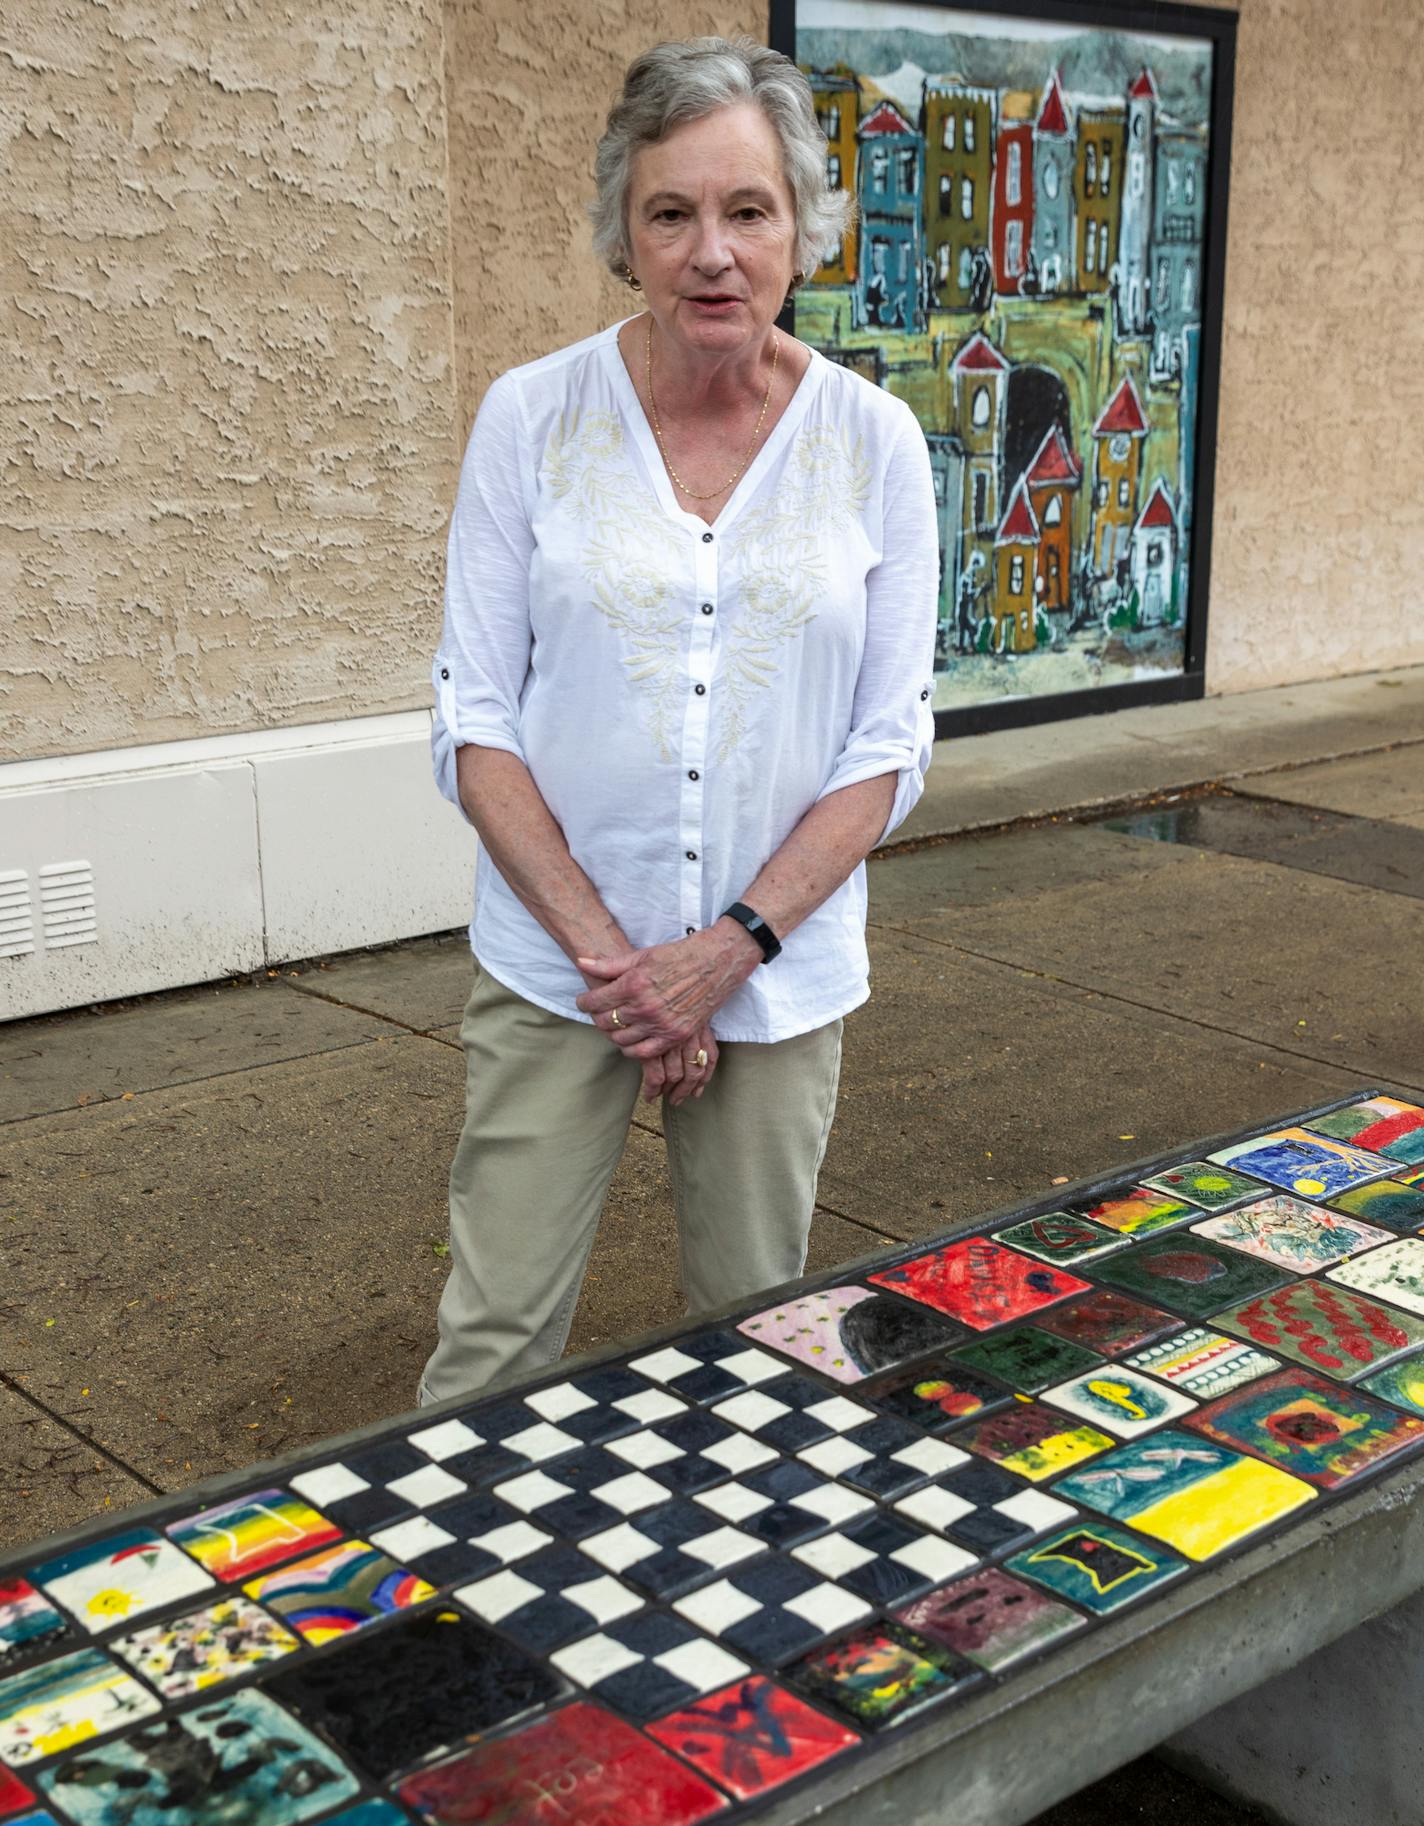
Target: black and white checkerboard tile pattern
984 1509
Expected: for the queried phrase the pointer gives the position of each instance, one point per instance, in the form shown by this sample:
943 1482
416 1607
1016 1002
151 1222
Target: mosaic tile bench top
663 1588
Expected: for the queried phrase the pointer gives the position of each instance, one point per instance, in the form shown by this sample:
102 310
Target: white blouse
683 693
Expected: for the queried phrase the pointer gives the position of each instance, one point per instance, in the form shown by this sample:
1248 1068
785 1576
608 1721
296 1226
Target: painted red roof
1144 87
1053 116
1019 522
1054 463
1158 511
1124 413
979 356
887 118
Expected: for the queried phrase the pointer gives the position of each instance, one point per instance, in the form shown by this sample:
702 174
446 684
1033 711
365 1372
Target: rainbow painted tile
238 1539
337 1590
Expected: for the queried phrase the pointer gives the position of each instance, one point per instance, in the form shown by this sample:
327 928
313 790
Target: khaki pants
548 1102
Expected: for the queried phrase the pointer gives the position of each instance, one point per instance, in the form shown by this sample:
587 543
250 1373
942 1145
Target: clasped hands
665 997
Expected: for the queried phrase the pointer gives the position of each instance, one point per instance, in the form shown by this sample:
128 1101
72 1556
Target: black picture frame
1219 26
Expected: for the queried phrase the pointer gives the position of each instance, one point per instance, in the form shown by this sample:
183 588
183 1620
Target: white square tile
702 1665
733 1502
655 1405
409 1538
594 1659
559 1402
751 1410
752 1366
834 1457
934 1559
426 1486
446 1439
739 1454
833 1503
717 1607
498 1596
329 1485
828 1607
663 1365
833 1556
631 1493
542 1441
531 1491
603 1598
934 1508
932 1456
618 1547
511 1542
645 1450
1035 1510
723 1547
839 1413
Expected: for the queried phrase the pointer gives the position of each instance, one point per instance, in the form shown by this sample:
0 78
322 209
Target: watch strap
757 926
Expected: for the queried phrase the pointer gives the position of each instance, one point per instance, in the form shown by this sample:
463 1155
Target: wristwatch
757 926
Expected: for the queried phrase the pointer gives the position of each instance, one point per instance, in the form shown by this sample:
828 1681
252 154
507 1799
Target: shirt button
706 538
692 855
701 690
444 672
923 696
707 608
693 774
691 930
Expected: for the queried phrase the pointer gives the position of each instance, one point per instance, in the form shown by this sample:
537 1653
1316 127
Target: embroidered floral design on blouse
633 557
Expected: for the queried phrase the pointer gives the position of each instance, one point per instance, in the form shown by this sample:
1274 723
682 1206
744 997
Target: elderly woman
683 689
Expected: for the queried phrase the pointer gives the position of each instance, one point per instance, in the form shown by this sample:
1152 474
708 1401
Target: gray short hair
675 83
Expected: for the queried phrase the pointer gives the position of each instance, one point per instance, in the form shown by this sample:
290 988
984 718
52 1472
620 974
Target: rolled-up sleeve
892 720
483 659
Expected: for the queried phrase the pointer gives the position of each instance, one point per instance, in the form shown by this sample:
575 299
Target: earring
797 281
635 284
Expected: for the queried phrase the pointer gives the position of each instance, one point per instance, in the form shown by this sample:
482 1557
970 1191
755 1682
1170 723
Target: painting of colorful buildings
1026 270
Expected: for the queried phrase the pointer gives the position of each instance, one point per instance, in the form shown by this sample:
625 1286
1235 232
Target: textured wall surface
227 414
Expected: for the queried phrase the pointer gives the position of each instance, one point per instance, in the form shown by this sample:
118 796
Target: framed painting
1036 267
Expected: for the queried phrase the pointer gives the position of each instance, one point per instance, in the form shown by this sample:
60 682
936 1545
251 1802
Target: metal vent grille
67 905
17 924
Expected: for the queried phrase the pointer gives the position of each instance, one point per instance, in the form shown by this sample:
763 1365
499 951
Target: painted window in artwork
1100 495
877 257
944 263
1164 281
909 172
1154 552
1090 247
1013 248
833 170
1189 287
879 169
946 194
1016 575
981 498
1050 177
1189 184
966 198
833 121
1106 184
1013 173
969 133
966 268
1090 167
1053 513
1136 173
1124 492
903 261
949 120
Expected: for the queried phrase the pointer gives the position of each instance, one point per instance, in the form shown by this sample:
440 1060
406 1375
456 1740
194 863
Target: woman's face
712 229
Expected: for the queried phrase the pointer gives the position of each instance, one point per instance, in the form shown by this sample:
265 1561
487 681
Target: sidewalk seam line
68 1426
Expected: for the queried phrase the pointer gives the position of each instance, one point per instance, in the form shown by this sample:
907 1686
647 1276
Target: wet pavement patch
1366 851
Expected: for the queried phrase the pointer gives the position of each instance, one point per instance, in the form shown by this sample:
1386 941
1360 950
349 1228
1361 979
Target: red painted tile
752 1736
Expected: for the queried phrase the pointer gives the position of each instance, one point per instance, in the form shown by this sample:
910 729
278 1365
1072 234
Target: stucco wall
226 411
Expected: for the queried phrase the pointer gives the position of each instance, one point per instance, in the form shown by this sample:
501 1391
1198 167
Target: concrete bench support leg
1333 1742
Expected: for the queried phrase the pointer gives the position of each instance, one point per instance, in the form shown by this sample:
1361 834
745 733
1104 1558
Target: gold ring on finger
613 1020
701 1060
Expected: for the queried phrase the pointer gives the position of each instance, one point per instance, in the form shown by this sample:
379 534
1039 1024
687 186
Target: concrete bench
944 1536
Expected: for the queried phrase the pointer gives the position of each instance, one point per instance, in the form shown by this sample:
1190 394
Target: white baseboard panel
149 868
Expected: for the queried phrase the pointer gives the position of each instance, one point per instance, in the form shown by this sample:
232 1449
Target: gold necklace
714 493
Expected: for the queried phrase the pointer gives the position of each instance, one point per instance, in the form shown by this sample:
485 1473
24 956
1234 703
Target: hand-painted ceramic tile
1196 1495
883 1674
187 1654
1202 1363
1409 1176
1136 1210
369 1813
692 1452
990 1619
13 1794
397 1696
61 1703
1119 1400
984 1511
668 1551
1027 1358
120 1577
753 1736
549 1599
239 1539
1394 1273
938 1395
1401 1382
337 1590
1033 1440
1314 1166
1200 1183
581 1764
1381 1125
849 1333
1097 1567
1319 1430
707 1366
772 1610
1384 1201
1290 1233
1060 1237
1190 1274
1326 1327
884 1459
883 1558
980 1283
792 1412
233 1759
648 1664
1109 1323
29 1624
